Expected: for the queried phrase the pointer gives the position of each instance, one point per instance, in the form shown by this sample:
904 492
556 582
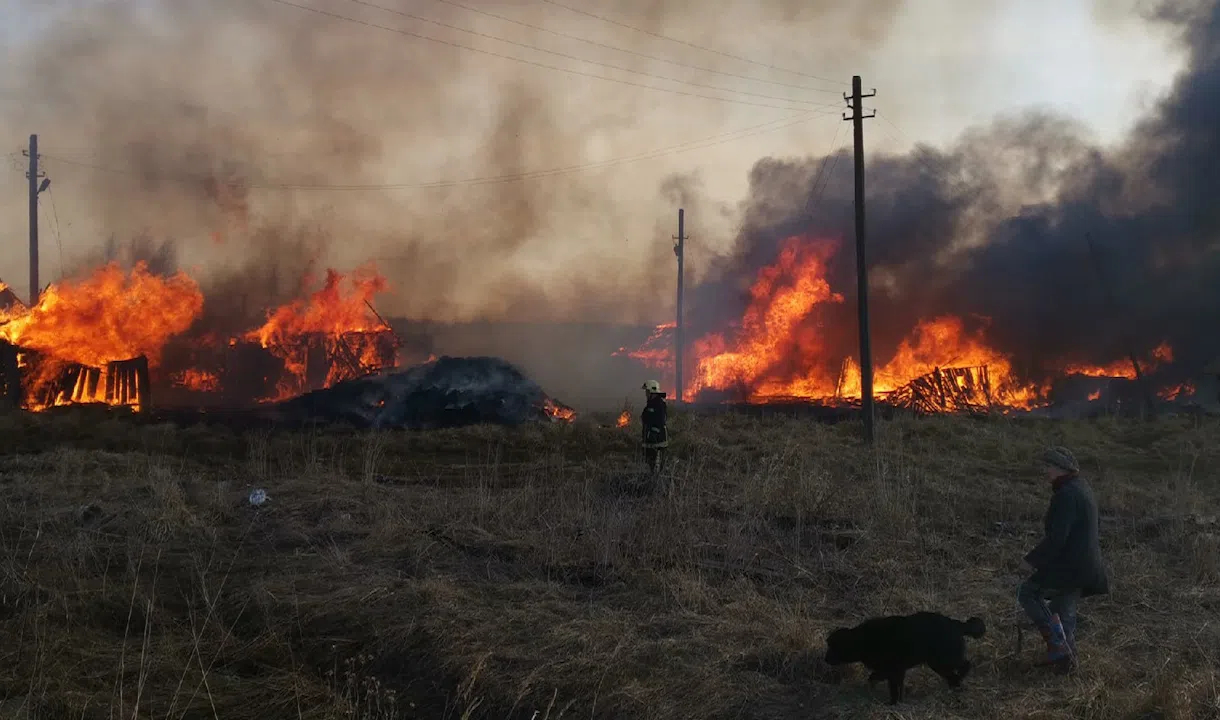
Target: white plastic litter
258 497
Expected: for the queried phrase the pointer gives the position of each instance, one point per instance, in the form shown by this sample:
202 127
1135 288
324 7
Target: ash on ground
444 393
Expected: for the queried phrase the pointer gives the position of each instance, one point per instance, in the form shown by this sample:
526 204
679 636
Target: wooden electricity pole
34 190
857 118
679 339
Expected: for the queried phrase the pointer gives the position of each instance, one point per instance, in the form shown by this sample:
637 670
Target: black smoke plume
996 228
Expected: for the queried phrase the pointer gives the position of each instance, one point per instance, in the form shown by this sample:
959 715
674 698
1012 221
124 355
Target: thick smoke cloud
212 120
997 227
194 136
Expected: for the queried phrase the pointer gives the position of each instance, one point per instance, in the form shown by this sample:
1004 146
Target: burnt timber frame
947 390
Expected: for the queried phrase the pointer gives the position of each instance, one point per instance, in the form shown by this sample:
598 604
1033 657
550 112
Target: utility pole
1145 388
35 288
679 339
857 118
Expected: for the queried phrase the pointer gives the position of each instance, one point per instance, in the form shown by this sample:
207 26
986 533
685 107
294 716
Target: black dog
889 646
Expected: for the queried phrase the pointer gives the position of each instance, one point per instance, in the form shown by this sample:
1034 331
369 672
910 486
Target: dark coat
653 419
1069 556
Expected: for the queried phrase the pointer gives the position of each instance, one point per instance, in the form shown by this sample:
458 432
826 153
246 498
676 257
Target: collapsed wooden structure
126 384
947 390
32 380
333 358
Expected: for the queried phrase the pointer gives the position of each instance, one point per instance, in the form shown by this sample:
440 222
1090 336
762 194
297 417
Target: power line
920 158
699 144
632 52
689 44
833 158
889 122
570 71
55 230
620 68
58 237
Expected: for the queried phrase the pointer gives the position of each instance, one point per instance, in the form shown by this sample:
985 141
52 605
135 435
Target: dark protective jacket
655 432
1069 556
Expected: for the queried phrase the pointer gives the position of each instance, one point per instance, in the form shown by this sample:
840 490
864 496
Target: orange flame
944 342
1160 355
107 316
655 352
782 297
344 322
1177 392
776 351
624 419
557 412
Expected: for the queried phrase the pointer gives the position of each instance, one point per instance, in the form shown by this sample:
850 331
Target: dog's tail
974 627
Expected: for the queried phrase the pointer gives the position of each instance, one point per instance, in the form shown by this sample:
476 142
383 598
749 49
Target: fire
108 316
1162 354
777 328
557 412
1177 392
343 322
657 351
940 343
199 380
1095 395
781 299
624 418
94 340
779 351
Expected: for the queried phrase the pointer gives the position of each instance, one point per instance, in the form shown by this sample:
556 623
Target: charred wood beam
10 374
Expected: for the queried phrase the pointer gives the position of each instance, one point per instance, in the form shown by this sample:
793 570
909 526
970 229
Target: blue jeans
1040 602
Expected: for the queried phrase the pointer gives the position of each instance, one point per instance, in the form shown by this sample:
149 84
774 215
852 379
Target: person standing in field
1067 562
655 431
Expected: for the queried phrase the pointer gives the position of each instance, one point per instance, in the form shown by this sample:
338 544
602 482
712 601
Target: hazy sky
411 112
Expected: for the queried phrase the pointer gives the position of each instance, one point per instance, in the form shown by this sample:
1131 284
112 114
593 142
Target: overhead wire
409 33
920 158
833 158
698 144
620 68
58 236
886 120
690 44
628 51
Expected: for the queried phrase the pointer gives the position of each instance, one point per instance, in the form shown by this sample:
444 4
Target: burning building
121 338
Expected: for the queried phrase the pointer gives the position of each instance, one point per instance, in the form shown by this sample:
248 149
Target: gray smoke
208 123
196 134
997 225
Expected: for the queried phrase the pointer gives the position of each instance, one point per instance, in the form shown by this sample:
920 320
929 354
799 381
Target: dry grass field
496 573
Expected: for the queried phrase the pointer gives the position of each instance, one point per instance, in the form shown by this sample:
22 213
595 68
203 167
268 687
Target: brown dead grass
514 573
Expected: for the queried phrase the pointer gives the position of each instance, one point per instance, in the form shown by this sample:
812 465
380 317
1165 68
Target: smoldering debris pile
446 392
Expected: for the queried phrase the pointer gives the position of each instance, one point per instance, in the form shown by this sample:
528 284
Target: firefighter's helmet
652 386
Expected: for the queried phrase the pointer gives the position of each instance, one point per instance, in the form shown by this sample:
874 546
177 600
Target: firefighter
655 434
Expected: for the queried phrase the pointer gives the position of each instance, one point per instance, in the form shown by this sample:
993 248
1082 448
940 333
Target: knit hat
1060 457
